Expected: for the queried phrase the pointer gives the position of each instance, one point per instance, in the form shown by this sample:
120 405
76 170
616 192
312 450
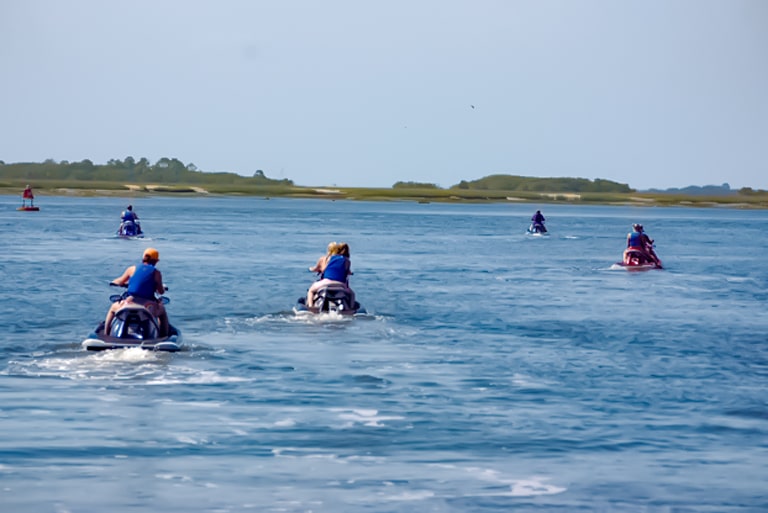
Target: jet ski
133 326
130 230
635 259
330 299
537 229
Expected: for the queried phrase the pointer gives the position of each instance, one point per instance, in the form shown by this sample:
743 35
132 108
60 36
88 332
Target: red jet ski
636 259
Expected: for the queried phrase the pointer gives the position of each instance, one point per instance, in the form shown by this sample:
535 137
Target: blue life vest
142 283
636 240
128 216
336 269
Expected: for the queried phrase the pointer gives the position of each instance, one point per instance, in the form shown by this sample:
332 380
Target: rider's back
142 282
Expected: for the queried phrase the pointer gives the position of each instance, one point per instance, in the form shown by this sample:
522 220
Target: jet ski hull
133 326
635 267
537 230
130 230
170 344
634 259
330 300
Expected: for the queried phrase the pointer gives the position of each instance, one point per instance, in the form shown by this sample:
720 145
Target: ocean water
495 371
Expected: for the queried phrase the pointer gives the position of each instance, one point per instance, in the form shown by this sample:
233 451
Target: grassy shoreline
426 195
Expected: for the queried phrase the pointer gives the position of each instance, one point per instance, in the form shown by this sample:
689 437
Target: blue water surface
495 371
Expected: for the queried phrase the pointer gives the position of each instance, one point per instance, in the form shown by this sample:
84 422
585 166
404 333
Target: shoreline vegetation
170 177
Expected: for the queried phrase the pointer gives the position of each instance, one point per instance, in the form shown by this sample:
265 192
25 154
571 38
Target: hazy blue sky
653 93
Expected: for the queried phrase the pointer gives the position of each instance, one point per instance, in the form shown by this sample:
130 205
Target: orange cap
152 254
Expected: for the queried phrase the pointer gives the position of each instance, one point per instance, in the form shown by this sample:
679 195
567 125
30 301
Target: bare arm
125 277
320 265
159 287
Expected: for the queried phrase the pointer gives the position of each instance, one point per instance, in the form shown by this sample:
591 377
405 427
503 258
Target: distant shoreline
636 199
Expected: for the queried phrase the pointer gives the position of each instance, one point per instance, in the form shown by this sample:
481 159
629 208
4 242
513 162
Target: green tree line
172 171
534 184
165 171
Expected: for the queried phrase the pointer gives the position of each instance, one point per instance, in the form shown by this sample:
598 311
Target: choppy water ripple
495 372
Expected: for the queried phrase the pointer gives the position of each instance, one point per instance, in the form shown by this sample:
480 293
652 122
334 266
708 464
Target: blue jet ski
133 326
130 230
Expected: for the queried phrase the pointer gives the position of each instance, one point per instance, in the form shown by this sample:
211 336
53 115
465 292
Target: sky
651 93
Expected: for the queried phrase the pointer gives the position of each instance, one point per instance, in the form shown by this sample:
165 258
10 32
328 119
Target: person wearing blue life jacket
335 269
143 281
129 216
638 239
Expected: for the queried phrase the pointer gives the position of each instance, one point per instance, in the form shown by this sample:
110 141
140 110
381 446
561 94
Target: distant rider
143 281
637 239
538 221
128 215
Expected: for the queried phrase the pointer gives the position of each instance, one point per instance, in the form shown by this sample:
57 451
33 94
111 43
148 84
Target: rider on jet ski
143 281
128 215
538 221
638 240
335 270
